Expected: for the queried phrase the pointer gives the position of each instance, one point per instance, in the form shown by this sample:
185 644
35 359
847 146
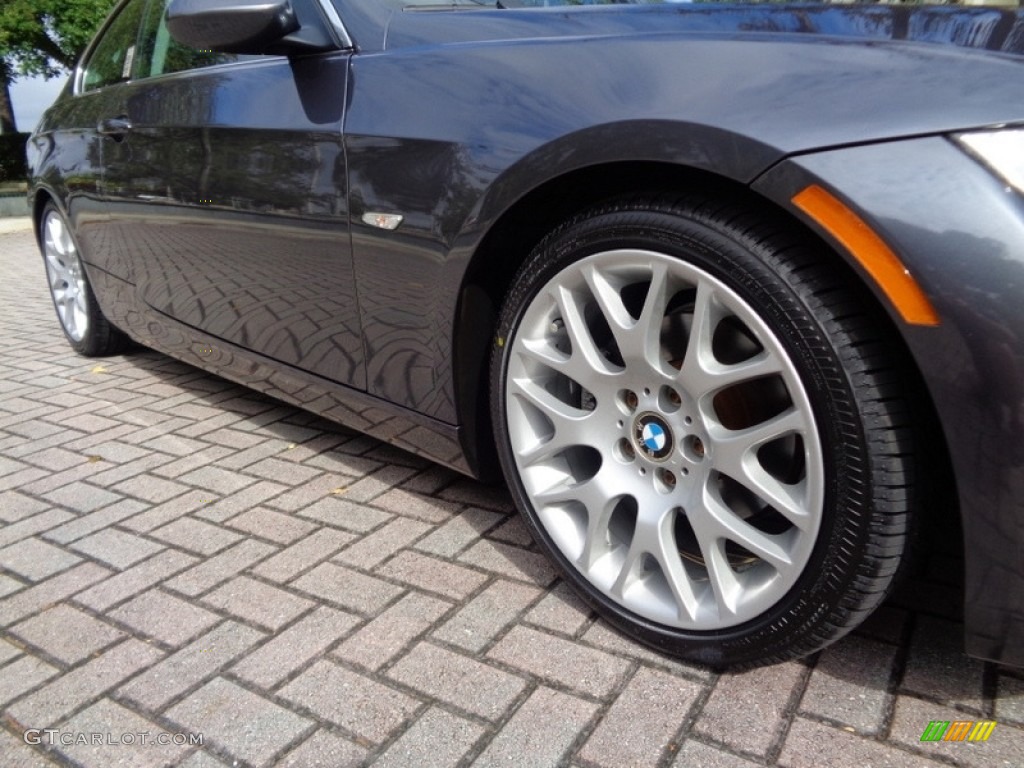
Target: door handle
115 127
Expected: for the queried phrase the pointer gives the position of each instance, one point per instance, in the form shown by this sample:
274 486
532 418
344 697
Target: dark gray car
731 295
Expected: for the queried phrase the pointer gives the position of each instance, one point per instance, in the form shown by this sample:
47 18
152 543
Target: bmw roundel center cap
653 436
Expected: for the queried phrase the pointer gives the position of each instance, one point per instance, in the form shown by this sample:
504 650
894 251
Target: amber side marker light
871 252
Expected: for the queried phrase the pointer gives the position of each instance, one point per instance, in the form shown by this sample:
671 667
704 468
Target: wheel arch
40 197
514 234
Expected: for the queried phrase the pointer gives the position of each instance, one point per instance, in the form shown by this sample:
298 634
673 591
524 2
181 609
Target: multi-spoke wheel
86 329
697 420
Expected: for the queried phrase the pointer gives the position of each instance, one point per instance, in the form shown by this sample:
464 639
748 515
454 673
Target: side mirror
246 26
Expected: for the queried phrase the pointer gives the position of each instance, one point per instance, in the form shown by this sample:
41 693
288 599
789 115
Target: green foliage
12 156
43 37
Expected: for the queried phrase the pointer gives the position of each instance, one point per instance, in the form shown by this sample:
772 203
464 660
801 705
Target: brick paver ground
180 556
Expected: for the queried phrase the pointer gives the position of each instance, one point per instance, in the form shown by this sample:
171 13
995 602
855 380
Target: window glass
112 59
160 54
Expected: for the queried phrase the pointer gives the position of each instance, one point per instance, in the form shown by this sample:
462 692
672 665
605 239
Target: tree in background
42 37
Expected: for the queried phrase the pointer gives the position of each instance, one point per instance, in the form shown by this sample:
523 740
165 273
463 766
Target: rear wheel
699 420
84 325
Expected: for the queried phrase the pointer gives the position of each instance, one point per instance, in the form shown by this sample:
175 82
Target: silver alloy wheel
66 278
664 439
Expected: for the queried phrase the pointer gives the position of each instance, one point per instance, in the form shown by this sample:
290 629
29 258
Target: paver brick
937 666
426 508
1009 703
217 480
185 668
347 588
54 459
478 622
66 633
849 684
601 635
59 698
302 555
50 591
433 575
438 739
813 745
245 725
215 570
1005 747
125 739
17 754
30 526
361 706
186 464
377 643
94 521
641 725
15 506
334 510
81 497
460 681
136 579
23 675
268 524
747 710
694 753
586 670
22 478
459 532
513 531
381 544
34 559
511 562
196 536
169 619
257 602
8 651
118 549
291 649
133 479
169 511
218 510
325 750
561 610
541 733
284 472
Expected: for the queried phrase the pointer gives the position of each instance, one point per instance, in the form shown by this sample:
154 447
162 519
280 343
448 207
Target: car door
224 181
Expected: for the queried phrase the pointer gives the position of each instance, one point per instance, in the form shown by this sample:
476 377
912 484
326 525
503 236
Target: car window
113 56
161 54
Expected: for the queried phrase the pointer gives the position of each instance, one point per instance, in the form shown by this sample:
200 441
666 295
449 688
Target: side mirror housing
247 26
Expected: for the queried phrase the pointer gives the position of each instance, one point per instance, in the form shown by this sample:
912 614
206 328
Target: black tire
643 478
88 332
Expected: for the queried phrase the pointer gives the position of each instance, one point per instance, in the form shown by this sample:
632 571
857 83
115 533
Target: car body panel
748 103
246 238
960 233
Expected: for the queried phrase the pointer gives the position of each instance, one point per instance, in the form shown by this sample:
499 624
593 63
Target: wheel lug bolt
631 400
674 398
668 479
698 447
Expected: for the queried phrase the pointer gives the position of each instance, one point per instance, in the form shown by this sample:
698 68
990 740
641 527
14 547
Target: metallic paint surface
961 234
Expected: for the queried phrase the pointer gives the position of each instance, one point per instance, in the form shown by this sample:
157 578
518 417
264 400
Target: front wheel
697 416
